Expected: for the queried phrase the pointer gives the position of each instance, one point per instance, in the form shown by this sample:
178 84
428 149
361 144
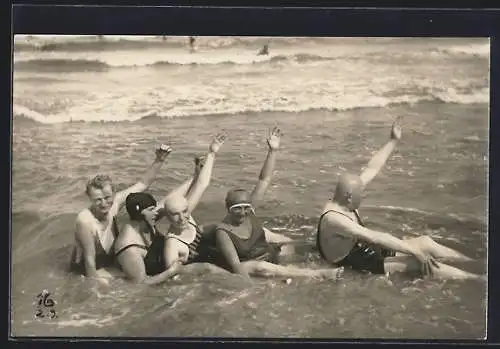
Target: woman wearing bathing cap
343 239
140 248
247 248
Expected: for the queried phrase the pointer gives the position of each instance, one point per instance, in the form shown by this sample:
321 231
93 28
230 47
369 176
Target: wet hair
135 203
98 182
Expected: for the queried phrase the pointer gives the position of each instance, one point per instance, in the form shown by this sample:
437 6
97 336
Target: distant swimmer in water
343 239
246 247
264 51
144 253
192 42
96 226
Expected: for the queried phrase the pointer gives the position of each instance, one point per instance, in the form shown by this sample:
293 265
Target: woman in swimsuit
247 248
141 250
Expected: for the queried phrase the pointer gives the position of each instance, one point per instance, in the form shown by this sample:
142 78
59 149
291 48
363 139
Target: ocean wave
152 114
69 43
61 65
82 64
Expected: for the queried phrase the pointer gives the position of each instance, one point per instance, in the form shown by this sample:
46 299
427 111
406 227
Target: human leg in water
410 265
428 246
267 269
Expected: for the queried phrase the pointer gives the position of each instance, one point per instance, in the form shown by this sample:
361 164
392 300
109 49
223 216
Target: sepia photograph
250 187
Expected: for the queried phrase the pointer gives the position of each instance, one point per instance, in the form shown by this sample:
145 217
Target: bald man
180 244
344 241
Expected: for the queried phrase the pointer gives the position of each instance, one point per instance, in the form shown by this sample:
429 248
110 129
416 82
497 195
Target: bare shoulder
128 235
84 219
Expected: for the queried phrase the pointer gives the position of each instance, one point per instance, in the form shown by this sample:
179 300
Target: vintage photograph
250 187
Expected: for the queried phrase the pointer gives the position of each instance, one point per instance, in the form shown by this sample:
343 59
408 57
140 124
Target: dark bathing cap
136 202
237 196
348 187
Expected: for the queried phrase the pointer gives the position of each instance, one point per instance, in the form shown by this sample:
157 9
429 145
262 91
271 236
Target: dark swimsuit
255 247
363 256
154 261
200 250
102 258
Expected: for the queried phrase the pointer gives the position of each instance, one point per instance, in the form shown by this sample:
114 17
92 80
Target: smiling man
96 226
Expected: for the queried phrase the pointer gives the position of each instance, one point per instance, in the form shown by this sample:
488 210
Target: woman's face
239 212
151 214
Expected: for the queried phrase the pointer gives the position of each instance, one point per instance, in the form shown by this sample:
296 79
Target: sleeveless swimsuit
153 261
364 256
255 247
199 249
102 258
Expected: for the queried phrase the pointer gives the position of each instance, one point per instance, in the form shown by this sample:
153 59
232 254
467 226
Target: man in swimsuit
247 248
186 241
368 250
142 252
96 226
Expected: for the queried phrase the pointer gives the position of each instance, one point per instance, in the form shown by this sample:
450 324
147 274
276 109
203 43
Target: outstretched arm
203 179
266 173
386 240
147 179
380 158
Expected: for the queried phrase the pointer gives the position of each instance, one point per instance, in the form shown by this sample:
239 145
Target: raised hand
273 141
396 130
199 161
162 152
217 142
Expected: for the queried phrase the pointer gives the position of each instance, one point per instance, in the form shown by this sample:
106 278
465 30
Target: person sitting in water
96 226
345 241
150 257
246 247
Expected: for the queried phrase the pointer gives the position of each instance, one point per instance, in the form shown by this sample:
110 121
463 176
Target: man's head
176 211
238 205
142 207
101 193
348 191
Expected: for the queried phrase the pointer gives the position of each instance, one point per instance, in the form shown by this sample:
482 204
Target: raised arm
148 178
203 179
273 142
380 158
187 186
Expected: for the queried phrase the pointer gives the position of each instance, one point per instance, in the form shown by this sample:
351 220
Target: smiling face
101 199
176 211
239 206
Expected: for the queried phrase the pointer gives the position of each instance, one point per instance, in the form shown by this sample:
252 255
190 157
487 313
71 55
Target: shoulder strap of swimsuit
360 221
115 227
128 246
328 211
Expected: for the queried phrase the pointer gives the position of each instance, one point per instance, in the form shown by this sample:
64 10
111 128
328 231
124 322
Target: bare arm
181 190
267 170
225 245
348 227
380 158
275 237
147 179
132 265
84 237
205 174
